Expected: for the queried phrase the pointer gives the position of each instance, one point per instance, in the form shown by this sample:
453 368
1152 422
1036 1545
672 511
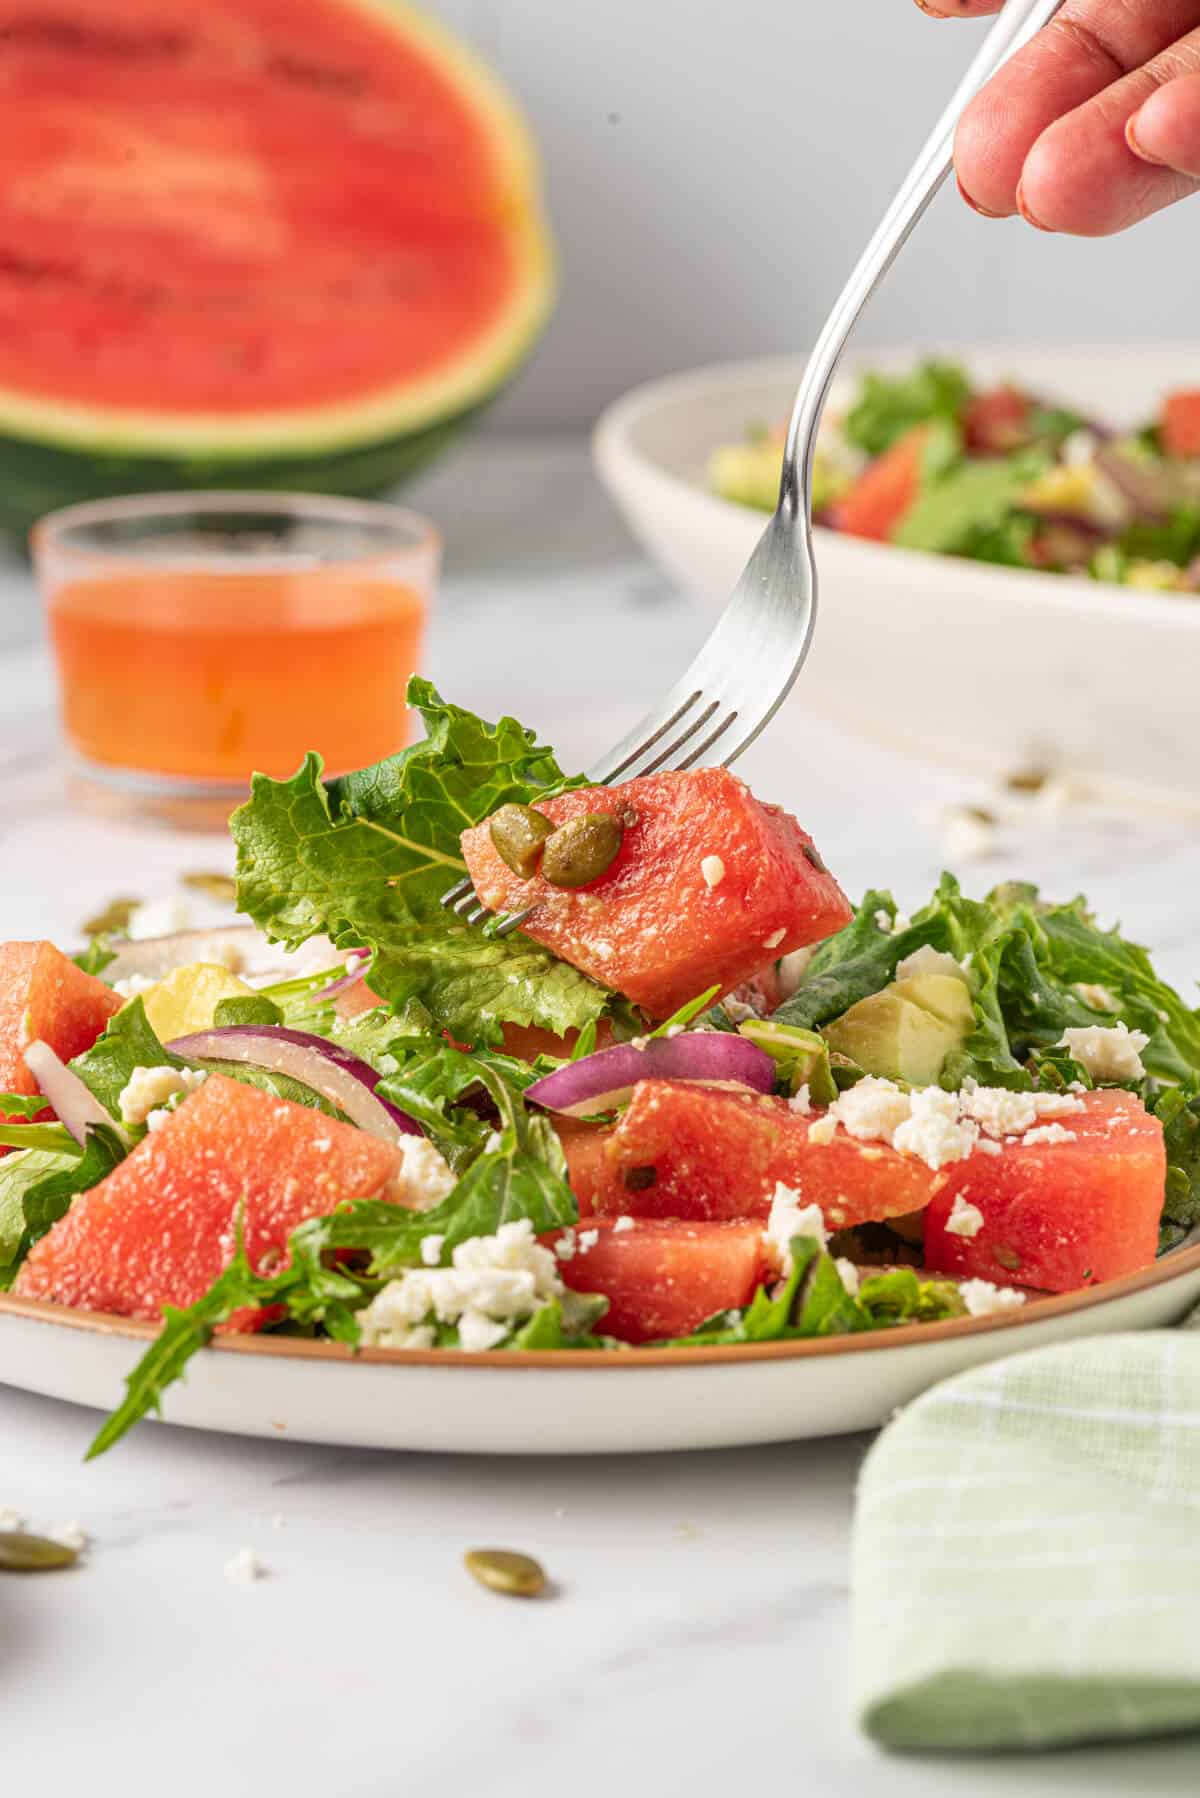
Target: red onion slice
1152 489
600 1081
70 1100
315 1062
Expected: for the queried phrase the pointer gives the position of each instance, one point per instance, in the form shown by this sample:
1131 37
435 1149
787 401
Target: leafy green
1054 424
801 1057
970 504
887 407
128 1043
255 1010
366 860
1174 539
1177 1109
96 957
37 1187
21 1105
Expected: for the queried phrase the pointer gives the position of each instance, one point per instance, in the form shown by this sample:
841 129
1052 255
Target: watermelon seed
113 919
812 855
637 1179
501 1570
22 1553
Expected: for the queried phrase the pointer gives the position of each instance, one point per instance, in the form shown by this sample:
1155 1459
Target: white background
713 170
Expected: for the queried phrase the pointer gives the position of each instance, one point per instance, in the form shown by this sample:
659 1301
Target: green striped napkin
1026 1555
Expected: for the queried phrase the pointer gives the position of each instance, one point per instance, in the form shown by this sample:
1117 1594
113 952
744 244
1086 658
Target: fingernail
1131 140
1028 216
930 12
974 204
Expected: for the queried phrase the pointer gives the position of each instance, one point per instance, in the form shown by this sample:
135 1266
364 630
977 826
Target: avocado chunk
906 1031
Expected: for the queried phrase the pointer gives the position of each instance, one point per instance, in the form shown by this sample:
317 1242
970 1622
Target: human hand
1094 125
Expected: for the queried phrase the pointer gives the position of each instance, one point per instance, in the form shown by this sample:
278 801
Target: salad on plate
929 461
698 1099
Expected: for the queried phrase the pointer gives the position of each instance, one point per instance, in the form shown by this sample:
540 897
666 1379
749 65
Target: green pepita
582 850
114 919
23 1553
518 833
501 1570
220 887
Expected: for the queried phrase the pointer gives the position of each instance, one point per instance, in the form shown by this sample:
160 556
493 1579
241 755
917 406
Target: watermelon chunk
707 885
663 1279
885 490
1180 423
1059 1215
45 997
160 1228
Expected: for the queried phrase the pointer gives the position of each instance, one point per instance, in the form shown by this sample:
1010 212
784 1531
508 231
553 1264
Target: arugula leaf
20 1105
96 957
1174 539
366 859
1177 1109
37 1187
129 1042
887 407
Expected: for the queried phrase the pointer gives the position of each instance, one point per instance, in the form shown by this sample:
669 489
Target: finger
1166 128
1090 44
1081 175
959 9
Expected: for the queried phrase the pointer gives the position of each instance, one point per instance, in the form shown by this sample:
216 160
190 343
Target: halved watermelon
45 997
279 243
662 1279
160 1228
1058 1215
707 885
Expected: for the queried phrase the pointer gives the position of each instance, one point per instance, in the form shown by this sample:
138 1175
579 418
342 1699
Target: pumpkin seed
114 919
582 850
22 1553
813 856
221 887
501 1570
518 833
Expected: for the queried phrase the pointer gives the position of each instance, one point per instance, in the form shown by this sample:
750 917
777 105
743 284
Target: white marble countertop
695 1639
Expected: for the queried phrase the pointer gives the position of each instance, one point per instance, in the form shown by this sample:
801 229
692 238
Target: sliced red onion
70 1100
357 963
600 1081
1154 491
334 1073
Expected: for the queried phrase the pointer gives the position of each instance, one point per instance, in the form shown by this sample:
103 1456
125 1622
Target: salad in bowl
698 1099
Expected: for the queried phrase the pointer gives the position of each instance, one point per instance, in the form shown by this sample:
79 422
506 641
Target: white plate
930 651
574 1404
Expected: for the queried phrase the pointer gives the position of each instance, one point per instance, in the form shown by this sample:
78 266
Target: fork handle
1020 21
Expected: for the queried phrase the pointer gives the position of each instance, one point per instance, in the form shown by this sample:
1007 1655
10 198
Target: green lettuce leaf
887 407
21 1105
366 859
37 1187
129 1042
968 509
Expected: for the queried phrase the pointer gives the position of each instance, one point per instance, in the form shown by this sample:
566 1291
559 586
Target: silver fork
747 667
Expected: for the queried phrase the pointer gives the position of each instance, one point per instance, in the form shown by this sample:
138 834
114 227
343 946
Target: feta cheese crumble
133 984
871 1110
428 1177
431 1250
934 1131
800 1102
71 1535
965 1219
773 941
588 1240
1107 1052
928 960
939 1127
983 1299
883 921
713 870
1098 997
158 917
999 1112
148 1089
849 1274
495 1283
791 1217
622 1224
244 1568
568 1243
1049 1133
10 1519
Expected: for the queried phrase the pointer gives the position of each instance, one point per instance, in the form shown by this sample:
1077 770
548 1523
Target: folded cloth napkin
1026 1554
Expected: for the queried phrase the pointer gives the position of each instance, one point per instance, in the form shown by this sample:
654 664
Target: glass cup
200 638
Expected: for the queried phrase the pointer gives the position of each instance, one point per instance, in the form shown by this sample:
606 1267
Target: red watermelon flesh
1060 1215
708 884
45 998
665 1278
160 1228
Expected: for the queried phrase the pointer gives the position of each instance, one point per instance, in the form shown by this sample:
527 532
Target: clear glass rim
53 535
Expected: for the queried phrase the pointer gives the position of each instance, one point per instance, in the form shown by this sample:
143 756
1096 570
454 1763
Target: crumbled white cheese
934 1131
159 917
999 1112
1107 1052
791 968
791 1217
244 1568
800 1102
1098 997
71 1535
985 1146
849 1274
871 1110
10 1519
133 984
1049 1133
965 1219
927 960
623 1223
588 1240
428 1177
713 870
149 1088
773 941
967 834
823 1130
883 921
495 1282
431 1250
157 1118
983 1299
567 1244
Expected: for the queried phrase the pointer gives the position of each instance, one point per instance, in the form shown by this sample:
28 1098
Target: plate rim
1176 1264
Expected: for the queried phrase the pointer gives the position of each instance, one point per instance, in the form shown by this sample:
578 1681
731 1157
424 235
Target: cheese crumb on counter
1107 1052
244 1568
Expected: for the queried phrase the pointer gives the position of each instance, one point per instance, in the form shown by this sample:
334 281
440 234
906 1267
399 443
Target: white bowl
933 652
